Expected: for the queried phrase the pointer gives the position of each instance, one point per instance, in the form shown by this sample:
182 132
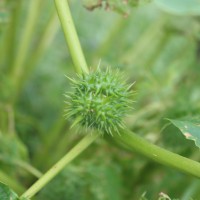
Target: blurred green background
156 44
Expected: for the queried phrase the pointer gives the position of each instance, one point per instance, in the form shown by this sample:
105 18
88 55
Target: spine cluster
100 100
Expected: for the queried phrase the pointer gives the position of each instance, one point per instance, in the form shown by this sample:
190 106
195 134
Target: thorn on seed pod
100 101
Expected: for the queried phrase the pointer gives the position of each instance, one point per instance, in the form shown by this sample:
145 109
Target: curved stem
53 171
71 36
158 154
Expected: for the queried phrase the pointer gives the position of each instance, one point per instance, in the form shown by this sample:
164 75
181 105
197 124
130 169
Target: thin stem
160 155
24 165
29 168
45 40
11 118
53 171
71 36
7 49
24 45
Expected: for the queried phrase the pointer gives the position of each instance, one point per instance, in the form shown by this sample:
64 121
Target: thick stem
53 171
160 155
71 36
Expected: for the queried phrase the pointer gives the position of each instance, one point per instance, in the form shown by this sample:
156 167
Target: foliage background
153 45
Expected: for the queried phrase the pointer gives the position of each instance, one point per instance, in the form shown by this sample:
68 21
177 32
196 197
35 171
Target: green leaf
190 130
143 197
12 148
181 7
6 193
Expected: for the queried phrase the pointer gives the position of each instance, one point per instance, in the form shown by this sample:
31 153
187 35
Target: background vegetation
155 44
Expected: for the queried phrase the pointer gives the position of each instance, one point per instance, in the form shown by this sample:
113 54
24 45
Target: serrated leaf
190 130
182 7
6 193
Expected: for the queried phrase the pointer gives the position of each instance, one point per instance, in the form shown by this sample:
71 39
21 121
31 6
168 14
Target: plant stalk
45 40
24 45
158 154
29 168
53 171
71 36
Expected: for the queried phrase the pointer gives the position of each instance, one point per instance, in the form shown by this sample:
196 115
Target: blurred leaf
143 196
87 181
190 130
12 149
6 193
182 7
6 88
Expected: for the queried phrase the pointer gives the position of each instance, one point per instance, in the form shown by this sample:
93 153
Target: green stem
29 168
49 142
71 36
24 165
45 40
53 171
9 41
160 155
24 45
64 143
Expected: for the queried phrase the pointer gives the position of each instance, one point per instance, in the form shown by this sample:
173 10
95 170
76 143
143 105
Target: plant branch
29 168
53 171
160 155
71 36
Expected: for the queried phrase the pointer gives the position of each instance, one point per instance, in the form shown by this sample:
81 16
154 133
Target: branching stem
53 171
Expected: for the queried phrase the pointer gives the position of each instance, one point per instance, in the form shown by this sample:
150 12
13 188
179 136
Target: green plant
100 102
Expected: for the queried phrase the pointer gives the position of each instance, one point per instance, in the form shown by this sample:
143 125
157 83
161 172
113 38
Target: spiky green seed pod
100 100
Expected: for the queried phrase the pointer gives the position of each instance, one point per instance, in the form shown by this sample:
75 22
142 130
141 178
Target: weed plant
105 138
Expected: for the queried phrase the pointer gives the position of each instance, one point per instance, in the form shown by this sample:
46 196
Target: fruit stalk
158 154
